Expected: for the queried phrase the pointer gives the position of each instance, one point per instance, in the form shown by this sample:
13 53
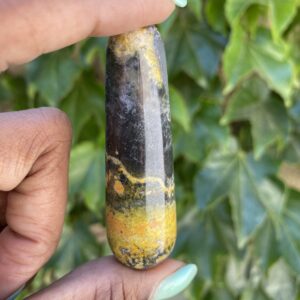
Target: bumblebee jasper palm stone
140 204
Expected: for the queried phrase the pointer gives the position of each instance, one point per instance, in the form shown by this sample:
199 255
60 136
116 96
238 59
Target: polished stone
140 202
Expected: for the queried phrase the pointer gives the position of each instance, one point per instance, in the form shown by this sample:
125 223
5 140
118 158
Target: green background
234 84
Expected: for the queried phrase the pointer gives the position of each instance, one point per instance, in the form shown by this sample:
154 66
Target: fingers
117 16
30 28
33 172
107 279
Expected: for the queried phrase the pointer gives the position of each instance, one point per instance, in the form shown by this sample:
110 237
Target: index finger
31 28
34 156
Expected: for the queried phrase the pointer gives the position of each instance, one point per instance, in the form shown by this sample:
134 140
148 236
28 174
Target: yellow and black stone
140 202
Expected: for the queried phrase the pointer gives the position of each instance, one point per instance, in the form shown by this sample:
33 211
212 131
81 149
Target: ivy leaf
179 109
280 283
194 49
241 179
196 7
13 92
288 230
245 56
87 176
293 40
5 89
77 246
269 119
281 13
235 9
85 100
214 11
257 294
292 149
222 293
266 247
53 75
206 248
205 134
207 188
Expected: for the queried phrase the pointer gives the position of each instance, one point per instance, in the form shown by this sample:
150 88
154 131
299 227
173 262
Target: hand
33 27
34 157
34 154
107 279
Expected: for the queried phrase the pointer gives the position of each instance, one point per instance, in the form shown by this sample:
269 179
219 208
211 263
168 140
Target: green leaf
77 246
206 134
84 102
54 75
241 179
292 150
13 93
214 181
196 7
87 176
293 41
194 49
280 283
252 18
221 293
214 11
266 246
281 13
288 230
245 56
236 8
179 109
5 89
204 250
251 293
267 114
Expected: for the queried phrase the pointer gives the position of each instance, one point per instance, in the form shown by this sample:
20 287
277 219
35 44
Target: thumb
55 24
107 279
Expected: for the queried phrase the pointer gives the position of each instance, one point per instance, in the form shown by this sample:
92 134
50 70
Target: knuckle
46 240
27 255
56 124
43 237
120 288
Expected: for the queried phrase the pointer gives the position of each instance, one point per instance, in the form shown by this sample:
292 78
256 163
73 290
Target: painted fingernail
176 283
181 3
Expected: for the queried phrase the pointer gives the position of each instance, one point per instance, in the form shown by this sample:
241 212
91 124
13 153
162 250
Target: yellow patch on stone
142 233
122 169
142 42
119 188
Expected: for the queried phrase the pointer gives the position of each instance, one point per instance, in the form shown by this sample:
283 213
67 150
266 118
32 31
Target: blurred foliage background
234 83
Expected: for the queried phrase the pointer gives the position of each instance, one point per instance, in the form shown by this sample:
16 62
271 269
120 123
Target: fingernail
181 3
176 283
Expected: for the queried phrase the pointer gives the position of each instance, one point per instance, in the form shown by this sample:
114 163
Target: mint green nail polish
181 3
176 283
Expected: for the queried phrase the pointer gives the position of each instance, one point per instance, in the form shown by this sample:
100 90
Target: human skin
35 145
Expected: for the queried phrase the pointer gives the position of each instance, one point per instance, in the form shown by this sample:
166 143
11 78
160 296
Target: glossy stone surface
140 203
